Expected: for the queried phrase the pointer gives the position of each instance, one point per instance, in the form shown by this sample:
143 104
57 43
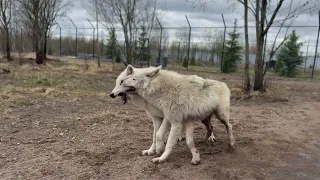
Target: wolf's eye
133 79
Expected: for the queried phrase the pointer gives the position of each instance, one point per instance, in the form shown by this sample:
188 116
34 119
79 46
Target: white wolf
182 99
154 113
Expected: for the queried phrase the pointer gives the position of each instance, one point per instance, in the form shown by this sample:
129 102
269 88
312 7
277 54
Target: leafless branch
37 17
129 15
5 21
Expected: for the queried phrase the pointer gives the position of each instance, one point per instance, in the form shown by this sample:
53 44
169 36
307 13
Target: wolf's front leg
176 128
160 136
182 134
156 125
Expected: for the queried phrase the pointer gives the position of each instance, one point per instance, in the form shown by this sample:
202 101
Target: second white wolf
154 113
182 99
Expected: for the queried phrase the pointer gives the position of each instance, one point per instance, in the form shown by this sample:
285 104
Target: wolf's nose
112 95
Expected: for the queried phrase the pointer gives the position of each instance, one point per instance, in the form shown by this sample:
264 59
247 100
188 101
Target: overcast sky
174 12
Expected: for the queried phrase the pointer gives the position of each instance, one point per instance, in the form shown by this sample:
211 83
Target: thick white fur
155 114
182 99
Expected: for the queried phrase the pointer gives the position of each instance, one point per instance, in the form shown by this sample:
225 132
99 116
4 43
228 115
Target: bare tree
37 17
54 9
247 85
182 38
128 14
165 42
265 15
5 20
213 38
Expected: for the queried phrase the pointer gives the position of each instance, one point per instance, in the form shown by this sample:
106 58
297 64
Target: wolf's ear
129 70
154 72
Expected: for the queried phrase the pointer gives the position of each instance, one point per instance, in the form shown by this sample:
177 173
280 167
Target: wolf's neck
156 89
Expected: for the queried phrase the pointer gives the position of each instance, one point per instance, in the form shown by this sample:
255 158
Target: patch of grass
307 75
36 81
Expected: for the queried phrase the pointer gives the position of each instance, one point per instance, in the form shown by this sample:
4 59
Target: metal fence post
305 63
136 42
315 54
97 23
224 39
188 42
93 40
21 48
76 37
59 38
212 56
159 53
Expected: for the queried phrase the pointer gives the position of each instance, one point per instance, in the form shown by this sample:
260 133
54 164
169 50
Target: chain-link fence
201 47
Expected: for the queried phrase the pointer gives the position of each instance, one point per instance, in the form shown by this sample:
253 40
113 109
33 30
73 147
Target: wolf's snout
112 95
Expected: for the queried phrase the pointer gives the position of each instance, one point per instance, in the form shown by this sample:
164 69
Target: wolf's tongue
124 98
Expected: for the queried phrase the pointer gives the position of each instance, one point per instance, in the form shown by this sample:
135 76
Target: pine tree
111 47
193 61
185 63
290 56
233 49
118 58
143 50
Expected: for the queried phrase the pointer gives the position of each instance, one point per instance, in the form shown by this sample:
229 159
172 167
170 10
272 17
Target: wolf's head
119 89
139 78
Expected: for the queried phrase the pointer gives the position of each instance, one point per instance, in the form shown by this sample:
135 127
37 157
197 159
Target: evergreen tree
143 51
193 61
111 47
185 63
289 56
118 58
233 50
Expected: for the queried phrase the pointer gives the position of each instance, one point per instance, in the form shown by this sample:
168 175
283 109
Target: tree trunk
39 57
258 78
45 48
113 57
129 55
39 52
8 52
99 65
247 85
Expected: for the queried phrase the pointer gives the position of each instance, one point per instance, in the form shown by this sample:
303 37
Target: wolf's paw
209 139
232 145
212 138
160 149
148 152
158 160
195 160
181 139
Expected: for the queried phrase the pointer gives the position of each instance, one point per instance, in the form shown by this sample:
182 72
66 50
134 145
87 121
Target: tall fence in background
201 47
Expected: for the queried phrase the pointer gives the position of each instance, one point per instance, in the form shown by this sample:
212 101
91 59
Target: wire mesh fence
202 47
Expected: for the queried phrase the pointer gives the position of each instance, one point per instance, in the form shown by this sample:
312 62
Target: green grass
37 81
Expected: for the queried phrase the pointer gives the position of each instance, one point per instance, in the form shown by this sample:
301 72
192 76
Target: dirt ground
58 122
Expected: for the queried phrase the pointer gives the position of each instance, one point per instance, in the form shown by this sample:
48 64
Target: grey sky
175 11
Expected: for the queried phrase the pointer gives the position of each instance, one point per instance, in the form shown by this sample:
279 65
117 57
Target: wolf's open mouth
123 97
130 89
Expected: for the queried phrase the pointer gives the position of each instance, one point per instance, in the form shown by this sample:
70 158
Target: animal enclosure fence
200 47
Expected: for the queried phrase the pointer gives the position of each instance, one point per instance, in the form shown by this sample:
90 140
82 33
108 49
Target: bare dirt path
64 133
